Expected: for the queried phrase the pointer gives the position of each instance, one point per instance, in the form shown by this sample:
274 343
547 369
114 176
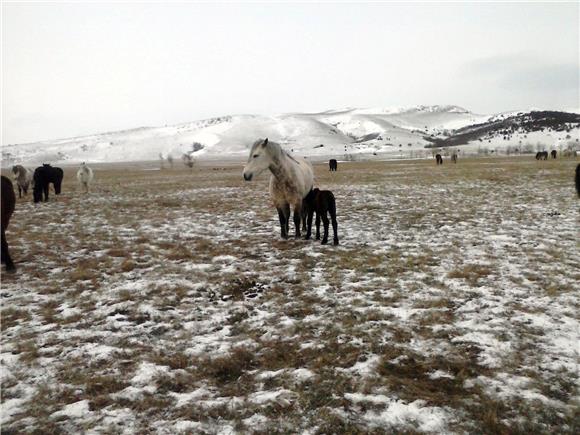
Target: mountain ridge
334 132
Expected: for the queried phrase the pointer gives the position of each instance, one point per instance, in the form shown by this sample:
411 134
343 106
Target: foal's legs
45 190
332 211
284 216
317 226
20 191
325 222
309 224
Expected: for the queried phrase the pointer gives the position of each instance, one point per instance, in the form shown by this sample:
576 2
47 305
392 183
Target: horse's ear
265 142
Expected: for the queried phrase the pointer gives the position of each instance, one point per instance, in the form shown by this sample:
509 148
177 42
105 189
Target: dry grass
184 270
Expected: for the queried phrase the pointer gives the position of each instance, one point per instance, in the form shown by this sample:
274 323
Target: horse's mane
275 149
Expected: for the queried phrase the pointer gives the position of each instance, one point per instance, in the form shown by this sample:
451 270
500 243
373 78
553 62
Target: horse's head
259 160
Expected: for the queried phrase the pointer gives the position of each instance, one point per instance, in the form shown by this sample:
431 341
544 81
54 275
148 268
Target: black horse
7 206
542 155
439 159
333 164
43 176
321 202
554 153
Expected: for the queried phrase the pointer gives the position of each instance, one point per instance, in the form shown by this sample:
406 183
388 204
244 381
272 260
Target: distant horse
23 179
321 202
43 176
85 176
439 159
554 153
187 160
578 180
333 164
454 157
7 208
542 155
290 182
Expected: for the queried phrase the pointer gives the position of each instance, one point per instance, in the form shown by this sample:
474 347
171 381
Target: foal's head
259 160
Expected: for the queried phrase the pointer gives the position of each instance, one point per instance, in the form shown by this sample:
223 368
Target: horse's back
296 189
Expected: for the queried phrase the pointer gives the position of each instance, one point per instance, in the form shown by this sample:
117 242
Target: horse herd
291 189
40 180
439 158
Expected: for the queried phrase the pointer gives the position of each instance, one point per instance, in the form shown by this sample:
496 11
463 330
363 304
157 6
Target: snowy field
165 302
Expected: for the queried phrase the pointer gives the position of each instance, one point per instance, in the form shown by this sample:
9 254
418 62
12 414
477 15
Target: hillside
342 133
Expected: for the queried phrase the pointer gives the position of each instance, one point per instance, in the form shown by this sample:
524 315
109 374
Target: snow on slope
335 132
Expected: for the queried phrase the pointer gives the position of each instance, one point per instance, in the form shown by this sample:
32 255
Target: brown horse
7 208
439 159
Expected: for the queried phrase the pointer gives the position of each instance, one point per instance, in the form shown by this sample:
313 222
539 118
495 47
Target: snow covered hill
343 133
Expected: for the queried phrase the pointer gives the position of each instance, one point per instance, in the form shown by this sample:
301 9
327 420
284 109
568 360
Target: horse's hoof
324 242
306 237
335 242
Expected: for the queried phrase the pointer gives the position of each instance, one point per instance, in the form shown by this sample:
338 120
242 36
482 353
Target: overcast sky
74 69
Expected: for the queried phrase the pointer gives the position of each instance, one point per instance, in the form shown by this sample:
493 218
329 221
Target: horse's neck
278 169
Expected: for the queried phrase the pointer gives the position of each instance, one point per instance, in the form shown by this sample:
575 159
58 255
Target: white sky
74 69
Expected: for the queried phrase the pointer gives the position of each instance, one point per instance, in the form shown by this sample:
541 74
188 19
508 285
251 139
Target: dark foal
7 208
321 202
333 165
439 159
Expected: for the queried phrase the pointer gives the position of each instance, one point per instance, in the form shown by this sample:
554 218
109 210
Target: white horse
85 176
23 177
292 179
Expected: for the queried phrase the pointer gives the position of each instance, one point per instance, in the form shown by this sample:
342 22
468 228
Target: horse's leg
282 217
326 222
6 255
309 224
287 219
317 226
45 190
297 219
19 191
332 211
